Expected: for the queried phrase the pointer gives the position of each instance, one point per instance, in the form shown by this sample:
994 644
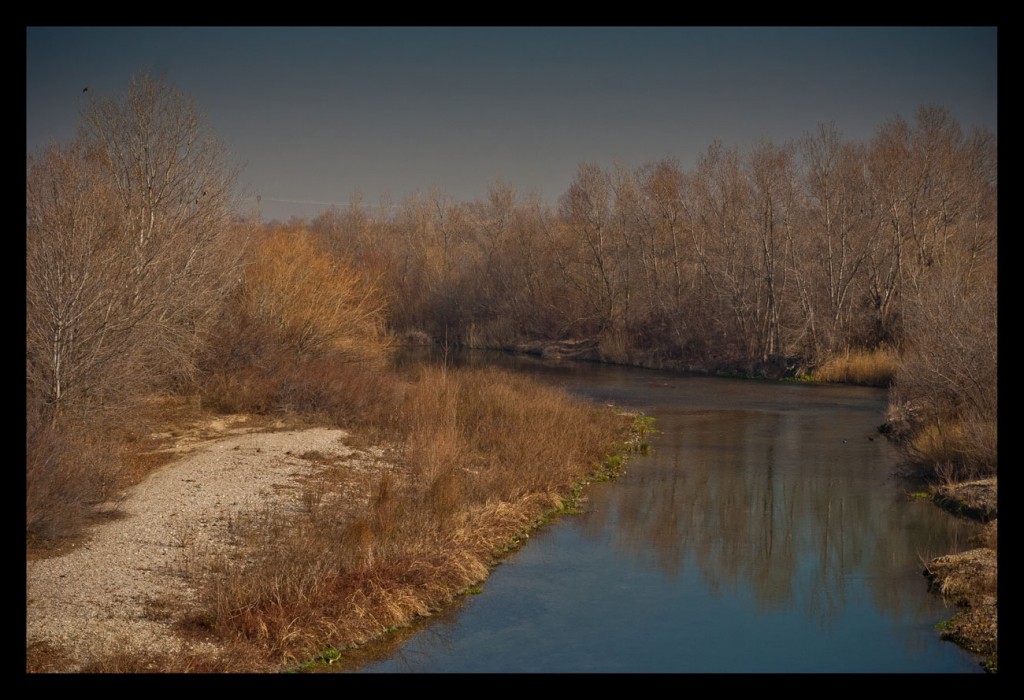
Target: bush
302 332
69 467
299 298
948 376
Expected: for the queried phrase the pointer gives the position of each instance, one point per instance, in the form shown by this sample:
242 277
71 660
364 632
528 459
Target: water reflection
766 531
786 503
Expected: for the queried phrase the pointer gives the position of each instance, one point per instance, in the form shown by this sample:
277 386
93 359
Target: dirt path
116 592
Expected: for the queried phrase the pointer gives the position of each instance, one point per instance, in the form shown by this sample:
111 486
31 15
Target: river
768 530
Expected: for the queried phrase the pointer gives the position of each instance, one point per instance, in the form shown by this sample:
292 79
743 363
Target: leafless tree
834 247
727 255
771 173
586 210
129 246
130 249
948 372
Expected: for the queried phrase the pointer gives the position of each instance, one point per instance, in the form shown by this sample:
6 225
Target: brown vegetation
866 262
969 579
303 331
129 250
480 458
866 367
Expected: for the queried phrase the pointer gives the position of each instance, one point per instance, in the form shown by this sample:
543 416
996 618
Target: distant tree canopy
801 249
782 257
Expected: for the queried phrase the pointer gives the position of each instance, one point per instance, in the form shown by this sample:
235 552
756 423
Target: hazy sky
315 115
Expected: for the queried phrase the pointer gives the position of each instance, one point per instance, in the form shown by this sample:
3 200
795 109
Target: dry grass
226 658
865 367
482 457
953 450
87 459
970 580
978 500
966 575
352 395
66 471
938 444
478 458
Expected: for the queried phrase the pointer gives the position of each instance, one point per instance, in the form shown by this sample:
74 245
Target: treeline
803 250
144 277
787 259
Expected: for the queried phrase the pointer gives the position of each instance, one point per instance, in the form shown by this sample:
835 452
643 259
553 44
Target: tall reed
875 367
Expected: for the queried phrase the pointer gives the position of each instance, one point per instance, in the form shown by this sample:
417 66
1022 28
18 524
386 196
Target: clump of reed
875 367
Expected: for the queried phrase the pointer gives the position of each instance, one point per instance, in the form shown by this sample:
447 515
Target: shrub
299 297
948 373
300 333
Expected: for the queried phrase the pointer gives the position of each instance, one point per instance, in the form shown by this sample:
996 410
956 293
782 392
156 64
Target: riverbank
969 579
966 580
270 544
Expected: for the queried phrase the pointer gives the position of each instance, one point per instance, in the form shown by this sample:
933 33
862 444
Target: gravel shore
114 591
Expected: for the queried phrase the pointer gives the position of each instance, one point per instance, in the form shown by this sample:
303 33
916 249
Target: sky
321 116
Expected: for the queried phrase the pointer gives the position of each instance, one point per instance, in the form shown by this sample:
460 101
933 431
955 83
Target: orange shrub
301 298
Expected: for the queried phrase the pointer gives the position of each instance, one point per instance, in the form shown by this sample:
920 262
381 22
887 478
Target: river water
767 530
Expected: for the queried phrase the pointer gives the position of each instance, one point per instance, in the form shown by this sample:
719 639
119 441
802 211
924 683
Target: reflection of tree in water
746 505
781 503
836 551
911 540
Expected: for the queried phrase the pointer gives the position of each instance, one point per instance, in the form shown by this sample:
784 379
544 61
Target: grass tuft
865 367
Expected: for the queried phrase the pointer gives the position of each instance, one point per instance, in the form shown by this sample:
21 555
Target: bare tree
836 220
129 251
948 373
129 246
78 329
173 178
728 257
666 259
771 172
594 268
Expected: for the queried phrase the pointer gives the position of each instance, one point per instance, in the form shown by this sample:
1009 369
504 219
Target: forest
822 259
